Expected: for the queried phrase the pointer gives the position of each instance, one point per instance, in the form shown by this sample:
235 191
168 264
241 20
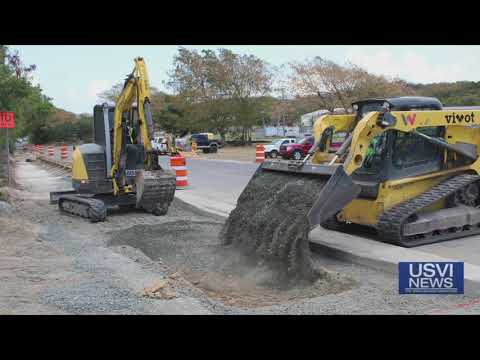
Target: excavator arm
136 89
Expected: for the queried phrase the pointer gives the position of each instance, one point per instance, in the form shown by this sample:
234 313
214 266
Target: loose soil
270 223
193 250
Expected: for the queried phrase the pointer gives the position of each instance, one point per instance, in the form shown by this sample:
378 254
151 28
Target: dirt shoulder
28 266
236 153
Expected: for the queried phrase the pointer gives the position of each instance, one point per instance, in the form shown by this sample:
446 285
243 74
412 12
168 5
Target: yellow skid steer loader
412 175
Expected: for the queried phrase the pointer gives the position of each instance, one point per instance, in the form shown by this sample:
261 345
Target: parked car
207 142
297 150
273 150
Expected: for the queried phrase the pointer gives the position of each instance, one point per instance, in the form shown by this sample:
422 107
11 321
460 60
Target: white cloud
410 65
95 87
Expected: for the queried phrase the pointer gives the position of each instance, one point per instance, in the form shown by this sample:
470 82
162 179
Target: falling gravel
270 223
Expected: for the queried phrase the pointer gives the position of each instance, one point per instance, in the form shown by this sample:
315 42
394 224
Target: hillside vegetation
460 93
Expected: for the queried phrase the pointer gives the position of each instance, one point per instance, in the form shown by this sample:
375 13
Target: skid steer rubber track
89 208
155 190
270 221
390 224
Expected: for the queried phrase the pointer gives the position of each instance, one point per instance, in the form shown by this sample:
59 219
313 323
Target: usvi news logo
430 277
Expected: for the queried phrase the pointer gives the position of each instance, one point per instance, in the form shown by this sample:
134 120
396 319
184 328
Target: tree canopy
218 91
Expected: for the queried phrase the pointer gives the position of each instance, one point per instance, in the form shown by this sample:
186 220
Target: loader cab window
374 159
413 155
369 107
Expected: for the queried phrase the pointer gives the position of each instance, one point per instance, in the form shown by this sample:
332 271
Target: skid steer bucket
279 206
339 191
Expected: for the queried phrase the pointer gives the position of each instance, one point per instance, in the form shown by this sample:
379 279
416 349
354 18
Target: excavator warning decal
409 119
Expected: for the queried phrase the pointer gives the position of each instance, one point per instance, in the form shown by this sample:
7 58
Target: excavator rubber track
155 191
93 209
391 223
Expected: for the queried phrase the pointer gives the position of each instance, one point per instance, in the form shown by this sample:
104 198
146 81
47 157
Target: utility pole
283 112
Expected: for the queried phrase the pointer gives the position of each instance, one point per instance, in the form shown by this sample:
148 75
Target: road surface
215 184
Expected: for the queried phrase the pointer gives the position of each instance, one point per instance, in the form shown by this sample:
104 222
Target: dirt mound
270 223
193 249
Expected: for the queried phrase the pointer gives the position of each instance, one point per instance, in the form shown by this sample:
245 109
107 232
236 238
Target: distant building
307 120
276 131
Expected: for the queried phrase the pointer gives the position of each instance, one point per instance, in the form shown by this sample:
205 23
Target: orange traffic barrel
260 153
64 152
41 149
51 150
179 165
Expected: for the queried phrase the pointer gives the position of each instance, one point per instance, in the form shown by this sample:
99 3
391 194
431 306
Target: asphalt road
217 180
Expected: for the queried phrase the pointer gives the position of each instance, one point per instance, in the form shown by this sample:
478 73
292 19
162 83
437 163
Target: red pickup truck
297 150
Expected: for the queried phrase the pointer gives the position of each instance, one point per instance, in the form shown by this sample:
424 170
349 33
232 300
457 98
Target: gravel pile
270 222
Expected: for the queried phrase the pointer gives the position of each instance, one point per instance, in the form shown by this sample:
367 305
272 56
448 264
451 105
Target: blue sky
74 75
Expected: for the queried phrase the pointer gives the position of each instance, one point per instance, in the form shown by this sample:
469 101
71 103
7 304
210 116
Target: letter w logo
409 119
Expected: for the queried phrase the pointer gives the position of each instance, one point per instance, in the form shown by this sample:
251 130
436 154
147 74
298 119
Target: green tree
17 94
222 87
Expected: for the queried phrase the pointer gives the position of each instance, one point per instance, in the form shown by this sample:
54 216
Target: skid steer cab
331 131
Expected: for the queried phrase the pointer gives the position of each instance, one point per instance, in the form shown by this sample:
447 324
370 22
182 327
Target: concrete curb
208 205
382 256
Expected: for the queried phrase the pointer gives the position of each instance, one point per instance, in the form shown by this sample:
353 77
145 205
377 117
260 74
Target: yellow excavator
412 175
120 168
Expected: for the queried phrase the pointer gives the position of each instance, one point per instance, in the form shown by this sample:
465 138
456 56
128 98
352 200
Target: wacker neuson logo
430 277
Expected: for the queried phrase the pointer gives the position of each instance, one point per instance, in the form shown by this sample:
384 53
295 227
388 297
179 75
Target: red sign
7 120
